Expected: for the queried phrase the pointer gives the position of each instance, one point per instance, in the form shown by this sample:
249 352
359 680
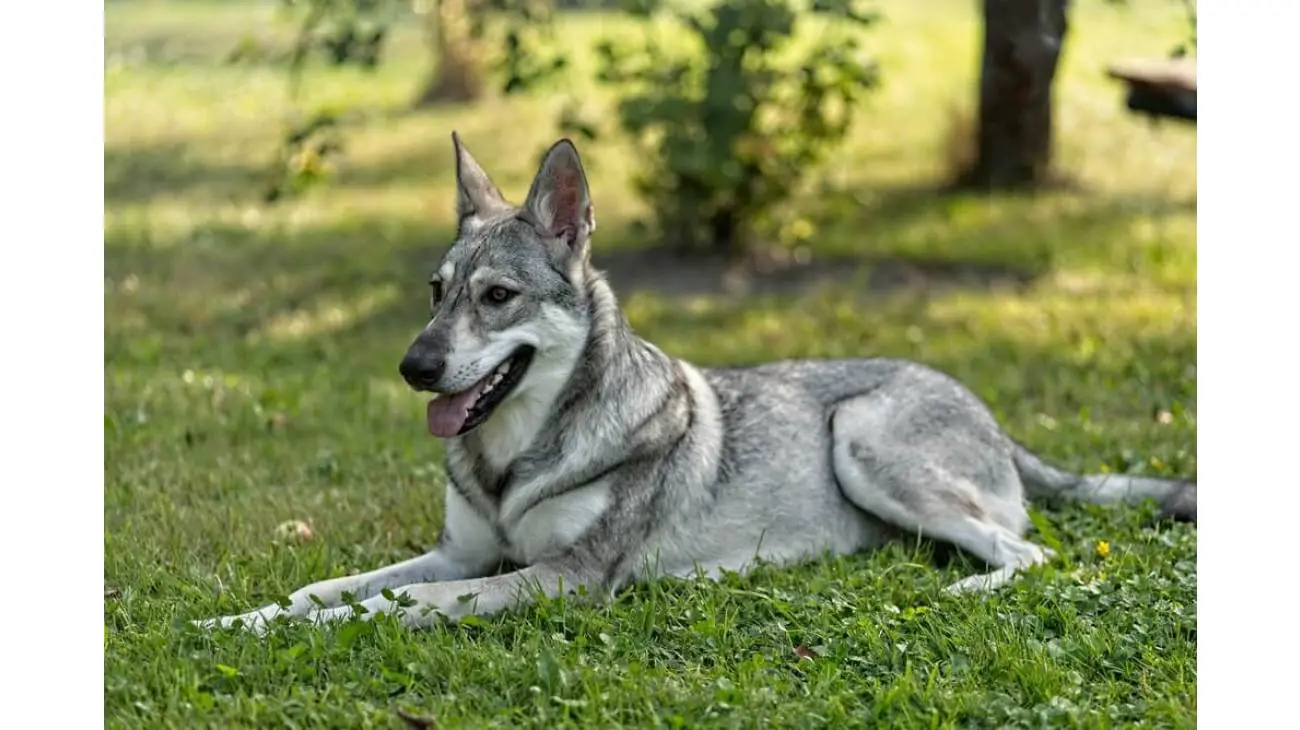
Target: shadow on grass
140 174
232 292
1025 230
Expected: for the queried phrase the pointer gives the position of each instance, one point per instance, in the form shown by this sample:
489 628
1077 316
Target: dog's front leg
436 565
467 548
596 562
420 605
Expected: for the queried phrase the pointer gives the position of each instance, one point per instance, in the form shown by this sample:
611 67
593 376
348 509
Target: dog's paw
252 622
972 584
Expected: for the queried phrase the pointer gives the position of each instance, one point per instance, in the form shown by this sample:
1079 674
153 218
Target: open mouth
453 414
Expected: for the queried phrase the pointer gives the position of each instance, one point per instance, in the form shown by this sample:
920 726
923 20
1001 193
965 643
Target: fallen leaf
804 652
295 530
417 722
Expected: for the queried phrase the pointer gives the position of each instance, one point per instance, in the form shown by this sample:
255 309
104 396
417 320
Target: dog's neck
613 354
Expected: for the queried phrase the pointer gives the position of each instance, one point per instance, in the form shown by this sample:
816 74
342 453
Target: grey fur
611 462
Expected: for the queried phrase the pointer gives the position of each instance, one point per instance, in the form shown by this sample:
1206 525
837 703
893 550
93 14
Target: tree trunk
1022 44
458 73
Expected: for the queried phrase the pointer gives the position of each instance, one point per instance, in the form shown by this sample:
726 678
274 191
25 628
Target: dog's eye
499 295
435 293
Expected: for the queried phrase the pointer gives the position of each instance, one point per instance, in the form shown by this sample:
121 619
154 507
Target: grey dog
588 456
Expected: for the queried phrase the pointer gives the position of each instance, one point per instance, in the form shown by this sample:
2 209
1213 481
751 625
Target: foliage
729 128
527 63
1188 46
353 33
521 29
345 32
304 158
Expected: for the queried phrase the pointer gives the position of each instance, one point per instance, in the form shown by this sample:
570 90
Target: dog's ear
476 196
559 199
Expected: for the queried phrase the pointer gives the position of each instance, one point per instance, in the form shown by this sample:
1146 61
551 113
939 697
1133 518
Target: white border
51 525
1248 310
52 522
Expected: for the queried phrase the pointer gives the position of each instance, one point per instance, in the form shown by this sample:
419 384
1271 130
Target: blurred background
968 184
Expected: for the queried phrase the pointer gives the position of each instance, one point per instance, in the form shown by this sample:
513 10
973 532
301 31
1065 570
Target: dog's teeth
494 382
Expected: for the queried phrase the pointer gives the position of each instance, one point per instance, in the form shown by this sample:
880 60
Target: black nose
422 370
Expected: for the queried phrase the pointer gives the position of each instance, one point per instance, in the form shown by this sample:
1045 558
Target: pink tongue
447 413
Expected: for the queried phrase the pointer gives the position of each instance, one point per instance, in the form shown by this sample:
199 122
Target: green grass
250 375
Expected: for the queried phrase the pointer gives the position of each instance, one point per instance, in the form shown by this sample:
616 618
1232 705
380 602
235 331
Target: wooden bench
1160 88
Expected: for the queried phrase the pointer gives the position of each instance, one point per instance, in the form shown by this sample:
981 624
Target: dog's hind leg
907 485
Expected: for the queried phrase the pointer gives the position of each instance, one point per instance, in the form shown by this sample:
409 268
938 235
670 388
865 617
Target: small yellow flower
1103 548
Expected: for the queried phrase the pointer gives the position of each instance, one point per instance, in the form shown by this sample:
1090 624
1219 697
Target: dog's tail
1177 499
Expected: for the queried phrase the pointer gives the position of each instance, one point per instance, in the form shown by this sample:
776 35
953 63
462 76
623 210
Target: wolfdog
594 460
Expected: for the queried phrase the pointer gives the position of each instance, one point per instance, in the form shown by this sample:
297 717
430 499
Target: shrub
730 125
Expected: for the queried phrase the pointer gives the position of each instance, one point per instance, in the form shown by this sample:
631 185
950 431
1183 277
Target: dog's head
508 310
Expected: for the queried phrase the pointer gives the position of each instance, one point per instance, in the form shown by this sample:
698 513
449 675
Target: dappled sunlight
1114 288
176 222
1105 313
325 316
189 108
838 324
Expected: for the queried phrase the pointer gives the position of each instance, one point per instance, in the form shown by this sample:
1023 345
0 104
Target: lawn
251 379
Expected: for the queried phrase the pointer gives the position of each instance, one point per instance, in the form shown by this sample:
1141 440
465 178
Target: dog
594 460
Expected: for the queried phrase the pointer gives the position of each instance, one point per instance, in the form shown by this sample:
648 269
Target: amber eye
498 295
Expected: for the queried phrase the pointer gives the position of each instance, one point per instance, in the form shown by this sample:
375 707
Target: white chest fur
556 523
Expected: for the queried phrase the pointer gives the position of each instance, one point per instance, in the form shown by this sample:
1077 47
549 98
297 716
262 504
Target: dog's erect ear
476 196
559 198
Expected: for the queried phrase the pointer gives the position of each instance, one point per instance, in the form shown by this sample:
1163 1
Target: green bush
729 126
